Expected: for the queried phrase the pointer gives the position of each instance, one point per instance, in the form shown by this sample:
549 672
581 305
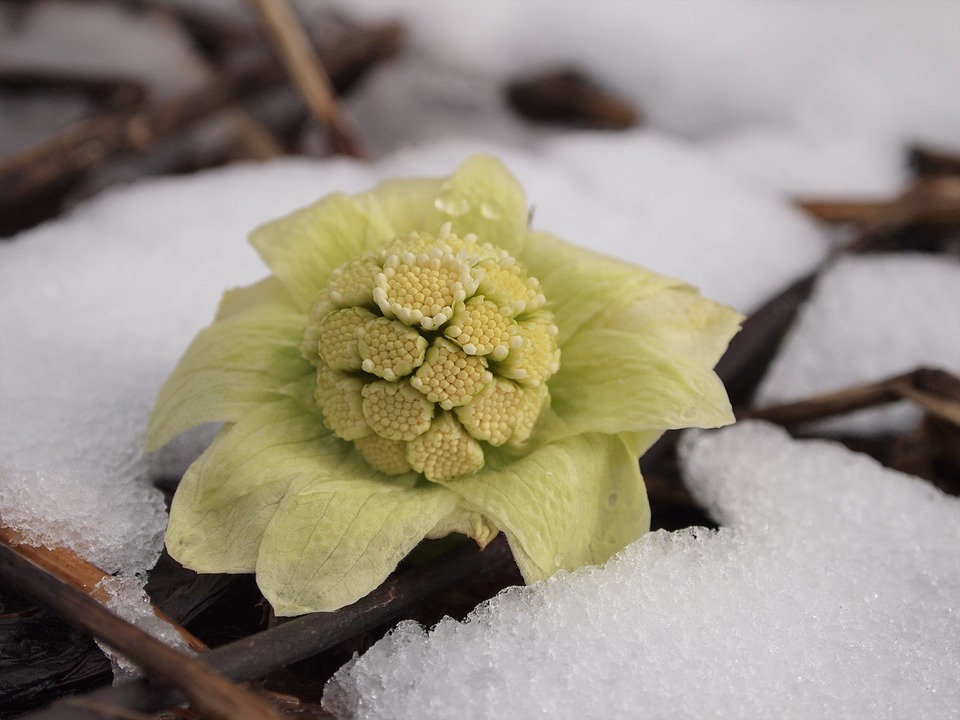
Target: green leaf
225 539
567 504
279 440
324 549
646 366
304 247
229 370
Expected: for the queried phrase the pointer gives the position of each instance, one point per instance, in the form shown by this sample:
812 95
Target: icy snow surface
834 90
869 318
831 591
96 308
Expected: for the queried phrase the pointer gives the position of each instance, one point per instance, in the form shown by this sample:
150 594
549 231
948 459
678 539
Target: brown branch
295 51
926 162
114 93
70 568
86 144
208 691
309 635
568 96
936 391
933 201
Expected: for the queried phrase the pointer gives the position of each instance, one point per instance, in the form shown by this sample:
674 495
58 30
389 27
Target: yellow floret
445 451
337 335
502 412
538 356
396 411
390 349
310 343
339 397
505 283
449 376
480 327
352 283
387 456
422 288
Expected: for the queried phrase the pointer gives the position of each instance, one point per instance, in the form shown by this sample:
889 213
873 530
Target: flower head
419 363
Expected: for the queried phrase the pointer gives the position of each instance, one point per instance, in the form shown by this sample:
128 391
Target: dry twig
936 391
309 635
293 46
212 694
70 568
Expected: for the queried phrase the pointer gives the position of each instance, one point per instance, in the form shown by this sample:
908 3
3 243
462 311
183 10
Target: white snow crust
830 591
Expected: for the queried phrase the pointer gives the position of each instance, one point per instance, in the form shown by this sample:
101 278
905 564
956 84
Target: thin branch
295 51
931 201
70 568
309 635
88 143
936 391
208 691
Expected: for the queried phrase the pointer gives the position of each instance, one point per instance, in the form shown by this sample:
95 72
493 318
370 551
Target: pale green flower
421 362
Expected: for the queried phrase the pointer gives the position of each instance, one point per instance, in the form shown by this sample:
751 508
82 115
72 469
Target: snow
830 591
96 308
97 38
813 97
870 318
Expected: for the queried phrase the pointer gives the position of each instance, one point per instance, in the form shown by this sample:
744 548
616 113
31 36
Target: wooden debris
306 70
569 97
206 689
305 636
70 568
115 94
86 144
929 203
927 162
936 391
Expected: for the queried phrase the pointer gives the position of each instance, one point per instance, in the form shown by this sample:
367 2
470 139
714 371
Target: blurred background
813 99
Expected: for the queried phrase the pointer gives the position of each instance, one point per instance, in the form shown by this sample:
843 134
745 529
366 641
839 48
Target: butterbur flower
422 363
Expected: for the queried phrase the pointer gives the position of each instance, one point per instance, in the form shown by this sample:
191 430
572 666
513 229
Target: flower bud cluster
428 349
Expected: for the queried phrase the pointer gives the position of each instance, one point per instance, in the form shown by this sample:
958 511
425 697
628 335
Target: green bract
421 362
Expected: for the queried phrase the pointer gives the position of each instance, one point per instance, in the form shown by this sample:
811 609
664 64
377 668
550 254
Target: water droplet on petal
558 560
690 413
491 210
452 203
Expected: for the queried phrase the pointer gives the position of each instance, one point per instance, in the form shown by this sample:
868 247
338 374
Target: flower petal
581 284
466 522
647 366
570 503
265 292
480 197
225 539
407 204
324 549
304 247
229 369
280 440
483 197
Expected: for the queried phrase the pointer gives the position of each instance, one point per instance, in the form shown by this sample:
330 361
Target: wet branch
306 636
210 693
70 568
